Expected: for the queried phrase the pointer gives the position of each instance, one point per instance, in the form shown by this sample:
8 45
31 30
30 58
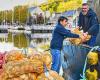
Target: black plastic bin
74 59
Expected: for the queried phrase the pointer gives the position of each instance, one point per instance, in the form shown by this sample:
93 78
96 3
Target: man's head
63 21
85 8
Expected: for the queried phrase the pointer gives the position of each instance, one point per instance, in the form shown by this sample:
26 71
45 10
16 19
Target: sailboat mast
12 15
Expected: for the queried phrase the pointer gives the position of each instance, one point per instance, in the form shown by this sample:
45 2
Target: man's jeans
56 59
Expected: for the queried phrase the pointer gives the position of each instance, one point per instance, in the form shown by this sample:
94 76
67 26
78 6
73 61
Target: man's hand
78 27
83 37
85 34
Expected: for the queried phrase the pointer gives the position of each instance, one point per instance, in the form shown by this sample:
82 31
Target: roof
31 9
69 13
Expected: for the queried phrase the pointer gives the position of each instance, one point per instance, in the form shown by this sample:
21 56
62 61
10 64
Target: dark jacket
89 23
58 36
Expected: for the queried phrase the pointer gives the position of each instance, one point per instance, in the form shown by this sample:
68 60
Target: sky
9 4
84 1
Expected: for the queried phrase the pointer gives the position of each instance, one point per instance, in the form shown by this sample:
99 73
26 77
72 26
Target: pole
2 17
12 15
27 21
19 15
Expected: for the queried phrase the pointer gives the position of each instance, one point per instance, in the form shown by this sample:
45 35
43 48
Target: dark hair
84 4
61 18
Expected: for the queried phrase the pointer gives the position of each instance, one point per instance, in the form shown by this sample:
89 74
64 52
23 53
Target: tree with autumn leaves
20 13
6 16
61 5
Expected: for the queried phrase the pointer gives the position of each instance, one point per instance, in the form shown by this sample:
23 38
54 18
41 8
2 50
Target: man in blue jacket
88 22
58 36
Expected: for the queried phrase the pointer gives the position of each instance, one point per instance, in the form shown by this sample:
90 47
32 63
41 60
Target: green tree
1 17
20 14
6 15
9 16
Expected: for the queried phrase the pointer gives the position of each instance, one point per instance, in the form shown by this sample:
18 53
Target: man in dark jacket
89 23
58 36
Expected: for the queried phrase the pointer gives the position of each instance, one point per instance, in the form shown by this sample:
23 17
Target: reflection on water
20 40
9 41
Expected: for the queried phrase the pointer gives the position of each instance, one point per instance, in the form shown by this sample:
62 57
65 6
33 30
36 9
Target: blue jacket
58 36
92 25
